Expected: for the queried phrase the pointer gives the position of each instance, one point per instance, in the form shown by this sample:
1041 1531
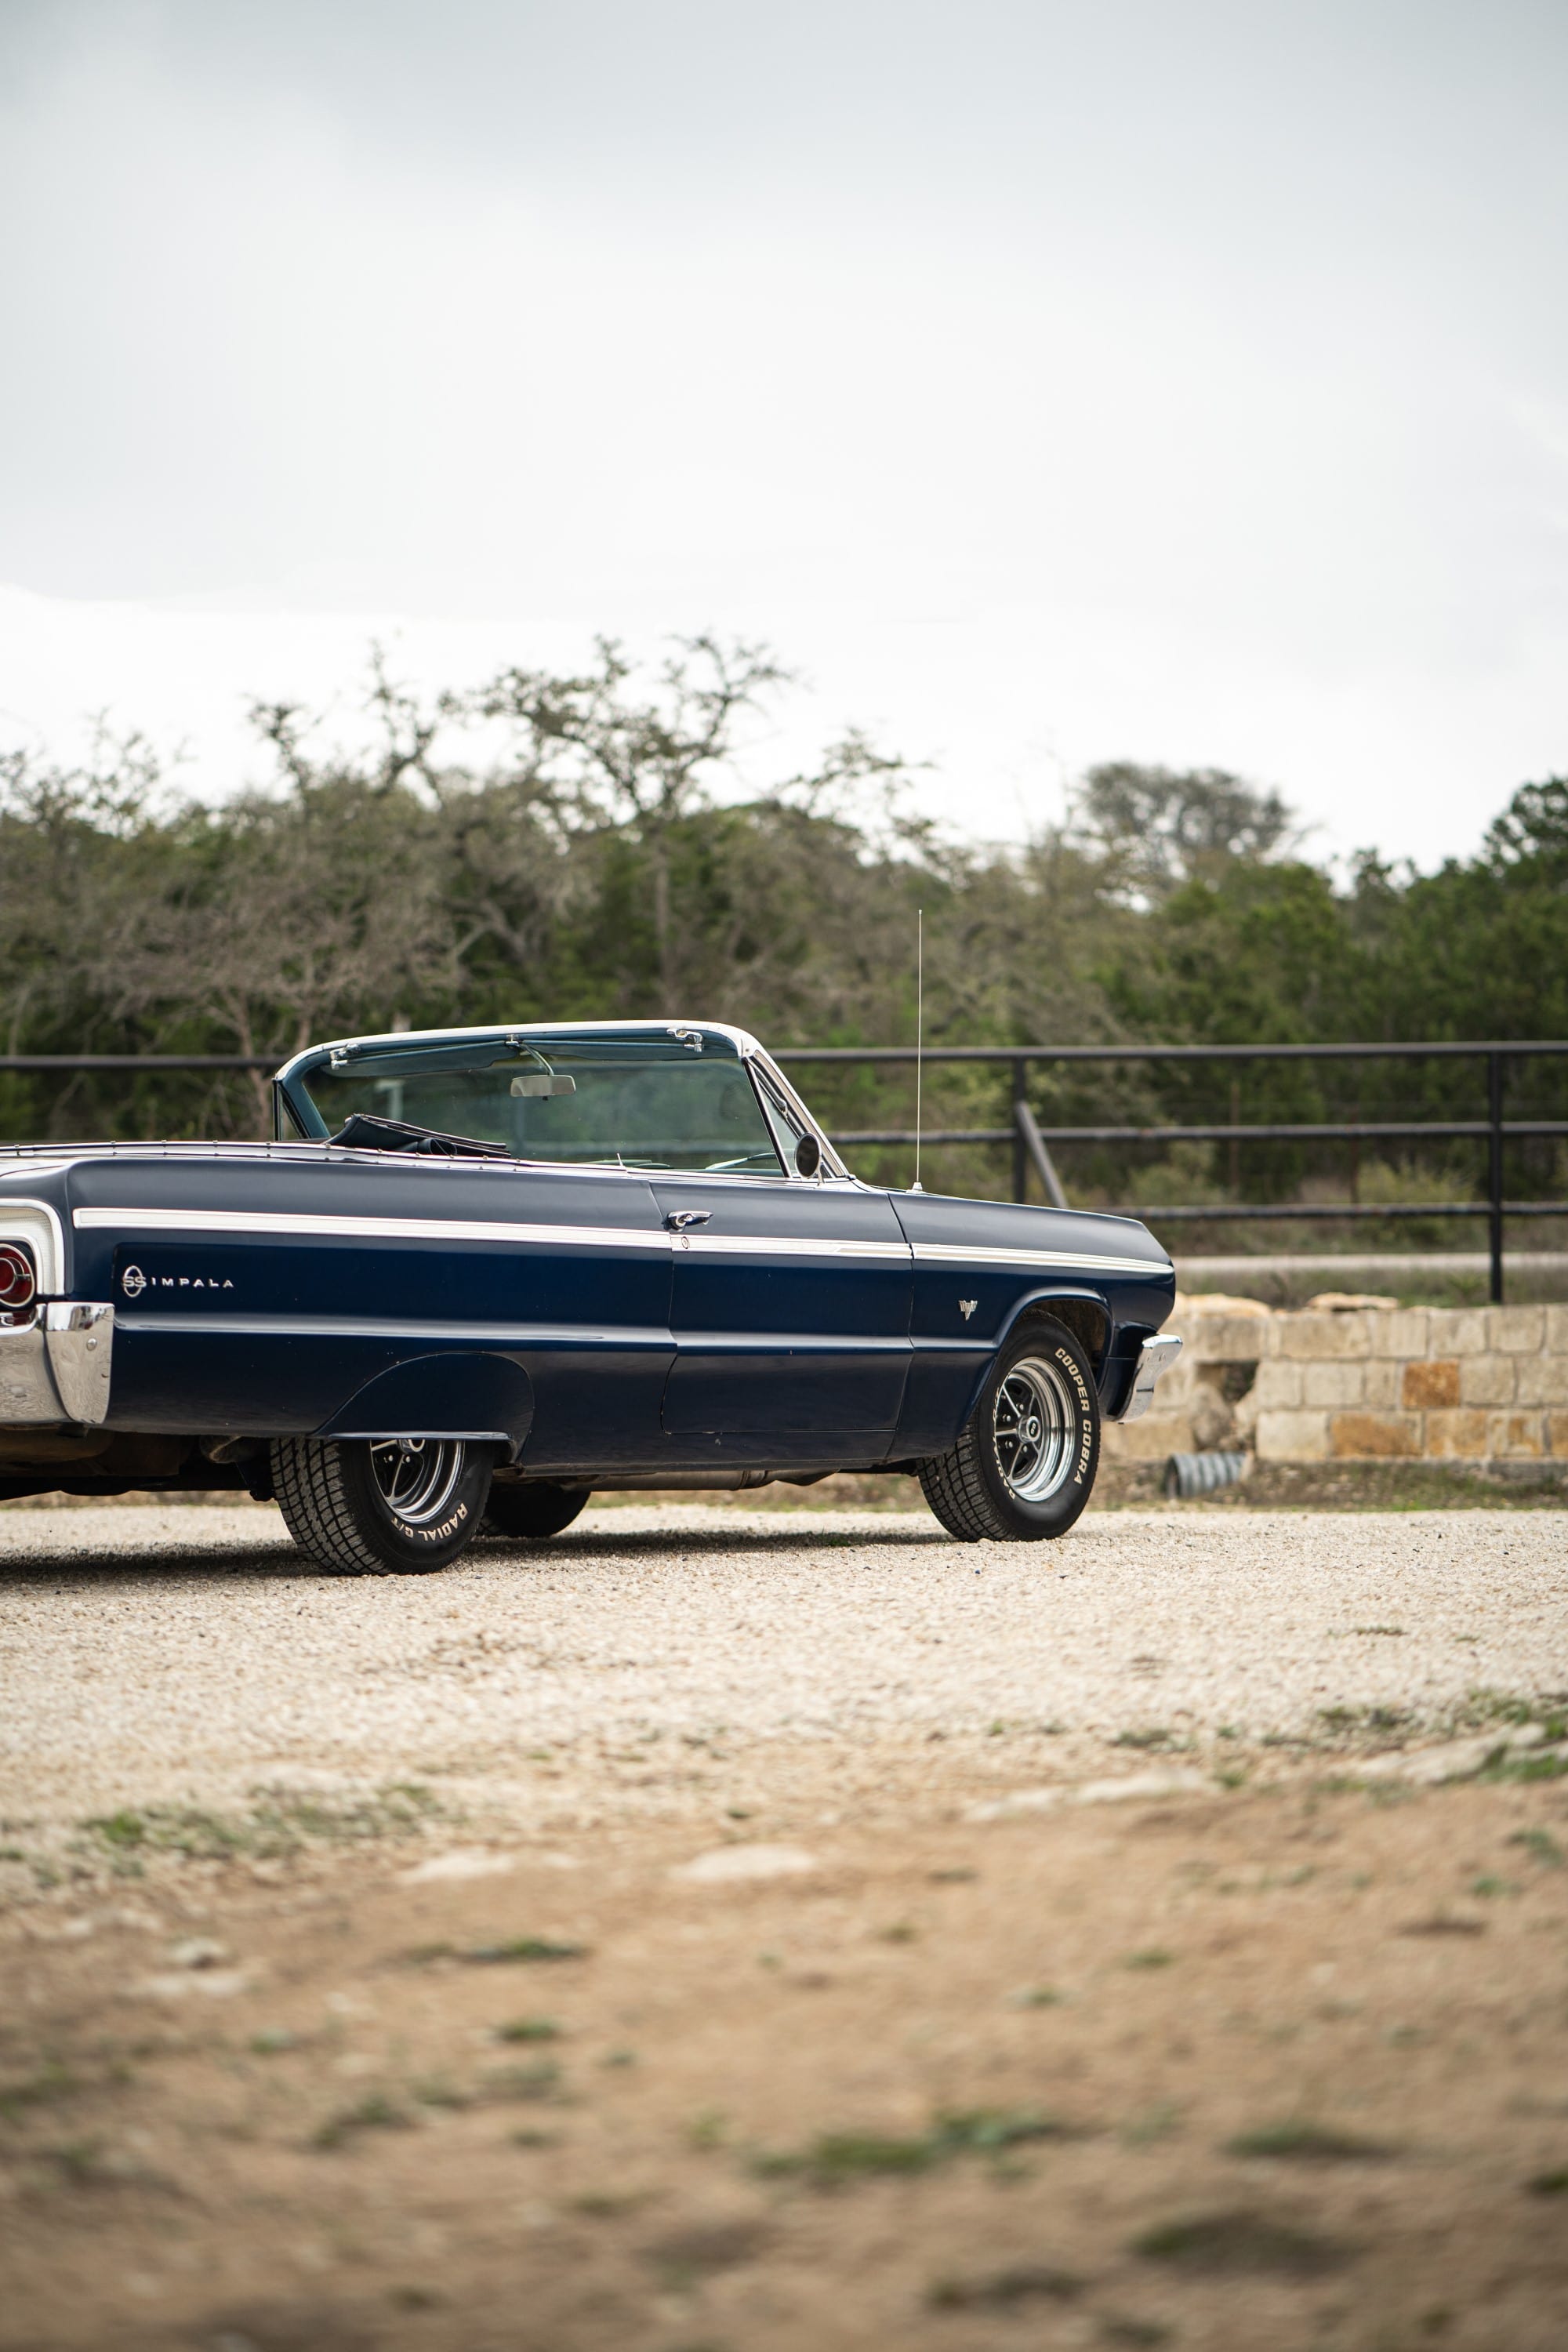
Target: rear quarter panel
246 1312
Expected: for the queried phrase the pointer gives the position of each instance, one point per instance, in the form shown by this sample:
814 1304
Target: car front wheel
359 1506
1024 1465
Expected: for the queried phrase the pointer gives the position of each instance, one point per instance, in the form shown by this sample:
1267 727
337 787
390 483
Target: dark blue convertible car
480 1273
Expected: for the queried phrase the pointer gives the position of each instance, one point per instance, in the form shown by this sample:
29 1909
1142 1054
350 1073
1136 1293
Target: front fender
1086 1316
487 1398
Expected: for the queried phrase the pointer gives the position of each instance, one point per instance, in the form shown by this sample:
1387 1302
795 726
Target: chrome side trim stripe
301 1224
287 1223
1081 1260
790 1245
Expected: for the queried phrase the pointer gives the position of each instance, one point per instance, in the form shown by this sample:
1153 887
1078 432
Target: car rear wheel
1024 1465
359 1506
537 1508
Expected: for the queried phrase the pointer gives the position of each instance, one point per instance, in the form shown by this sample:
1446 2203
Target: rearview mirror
541 1082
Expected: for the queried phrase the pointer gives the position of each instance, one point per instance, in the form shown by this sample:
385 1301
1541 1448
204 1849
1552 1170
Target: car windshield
683 1100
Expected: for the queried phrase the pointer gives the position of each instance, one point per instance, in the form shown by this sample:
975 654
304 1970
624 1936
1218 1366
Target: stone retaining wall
1364 1384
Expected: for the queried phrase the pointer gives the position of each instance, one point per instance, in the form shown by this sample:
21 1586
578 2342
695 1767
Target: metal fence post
1020 1159
1494 1172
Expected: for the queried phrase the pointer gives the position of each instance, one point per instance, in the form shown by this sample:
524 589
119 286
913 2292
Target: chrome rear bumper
1155 1357
55 1365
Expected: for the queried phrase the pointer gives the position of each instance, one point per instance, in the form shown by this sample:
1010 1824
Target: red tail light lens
18 1282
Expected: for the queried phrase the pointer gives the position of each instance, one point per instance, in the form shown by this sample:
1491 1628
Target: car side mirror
807 1156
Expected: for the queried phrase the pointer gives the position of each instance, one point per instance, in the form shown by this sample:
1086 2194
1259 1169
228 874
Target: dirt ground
733 2044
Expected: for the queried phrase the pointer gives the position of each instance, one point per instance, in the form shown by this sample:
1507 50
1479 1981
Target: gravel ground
152 1655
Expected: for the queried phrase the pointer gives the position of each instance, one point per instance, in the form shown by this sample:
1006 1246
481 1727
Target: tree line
579 845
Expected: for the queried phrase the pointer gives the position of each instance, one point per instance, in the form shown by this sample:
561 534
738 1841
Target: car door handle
679 1219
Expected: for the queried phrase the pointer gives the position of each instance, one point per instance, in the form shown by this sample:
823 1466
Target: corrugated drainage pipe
1200 1473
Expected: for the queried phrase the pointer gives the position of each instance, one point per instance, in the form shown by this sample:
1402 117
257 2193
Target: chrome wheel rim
1032 1428
418 1476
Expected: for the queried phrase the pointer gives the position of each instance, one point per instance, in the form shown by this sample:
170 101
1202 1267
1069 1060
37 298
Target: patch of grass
435 2090
838 2156
958 1878
272 2041
78 2161
1036 1997
1154 1957
1004 2290
1393 1633
901 1932
1115 2329
1240 2243
709 2129
1534 1765
1295 2141
542 2080
1550 2184
528 2029
535 2139
279 1823
1489 1887
49 2083
1541 1846
525 1950
375 2112
1157 1741
619 2058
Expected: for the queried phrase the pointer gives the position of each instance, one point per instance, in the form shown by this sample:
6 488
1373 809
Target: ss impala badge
966 1308
133 1282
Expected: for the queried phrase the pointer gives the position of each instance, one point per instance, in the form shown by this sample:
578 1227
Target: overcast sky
1050 383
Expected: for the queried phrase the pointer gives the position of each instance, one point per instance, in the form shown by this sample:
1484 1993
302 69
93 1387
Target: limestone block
1384 1383
1457 1330
1541 1379
1278 1385
1516 1436
1489 1380
1224 1339
1436 1382
1403 1333
1456 1437
1517 1330
1292 1436
1557 1330
1320 1339
1372 1436
1557 1434
1334 1384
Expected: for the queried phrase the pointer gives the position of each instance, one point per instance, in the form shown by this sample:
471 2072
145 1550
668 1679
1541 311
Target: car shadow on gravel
160 1566
660 1542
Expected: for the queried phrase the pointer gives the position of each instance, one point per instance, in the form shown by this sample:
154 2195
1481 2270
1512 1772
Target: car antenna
919 1033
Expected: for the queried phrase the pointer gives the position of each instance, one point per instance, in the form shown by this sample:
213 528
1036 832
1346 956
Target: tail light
18 1281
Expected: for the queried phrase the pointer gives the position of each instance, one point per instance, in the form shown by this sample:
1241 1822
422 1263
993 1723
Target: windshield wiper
363 1132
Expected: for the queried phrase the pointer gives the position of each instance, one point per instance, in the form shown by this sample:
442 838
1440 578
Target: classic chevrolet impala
480 1272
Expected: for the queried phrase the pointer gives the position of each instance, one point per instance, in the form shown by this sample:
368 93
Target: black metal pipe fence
1032 1141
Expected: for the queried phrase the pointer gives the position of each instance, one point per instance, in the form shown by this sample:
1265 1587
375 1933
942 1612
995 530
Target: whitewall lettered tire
401 1507
1024 1461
